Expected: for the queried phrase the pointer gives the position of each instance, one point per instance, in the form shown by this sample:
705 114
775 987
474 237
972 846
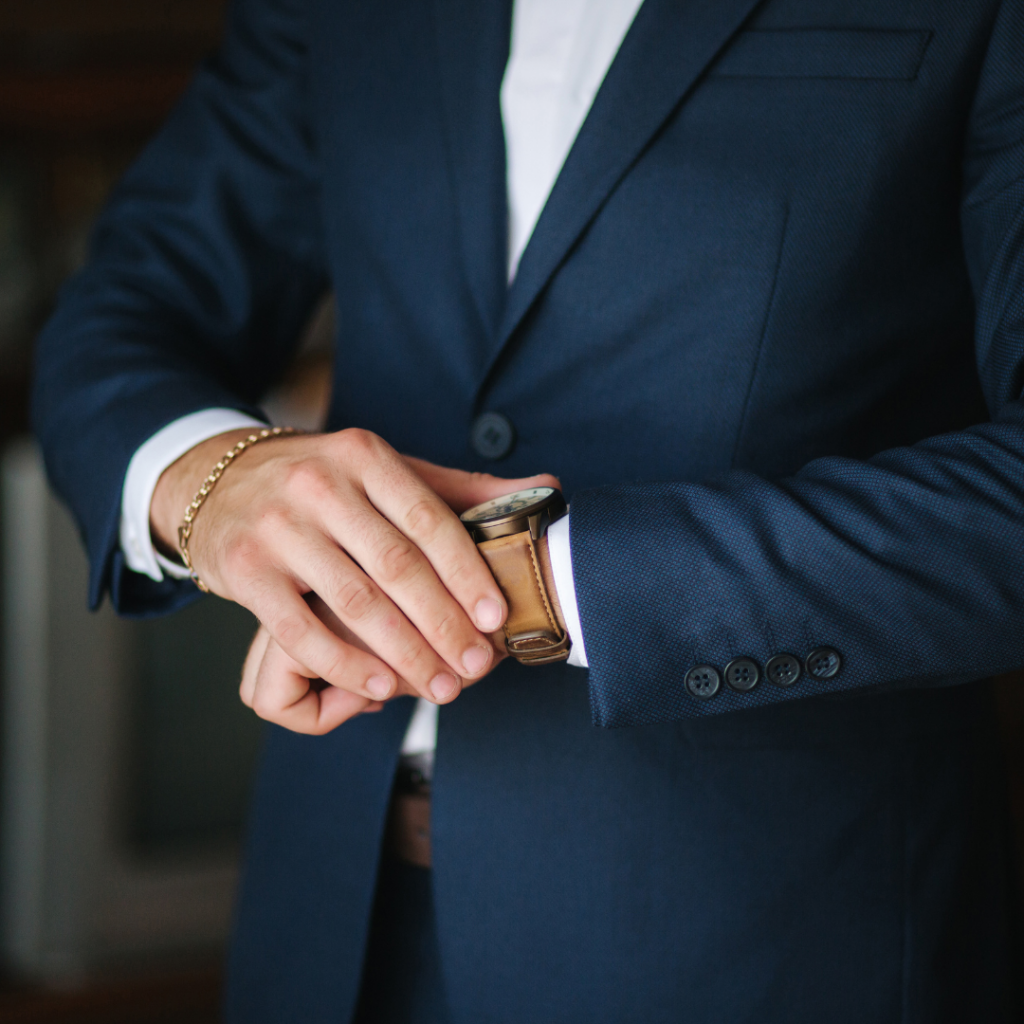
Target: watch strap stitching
555 628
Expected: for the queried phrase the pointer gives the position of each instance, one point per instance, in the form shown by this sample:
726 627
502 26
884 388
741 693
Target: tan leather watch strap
532 631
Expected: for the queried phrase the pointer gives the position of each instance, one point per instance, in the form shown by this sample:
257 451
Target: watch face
511 504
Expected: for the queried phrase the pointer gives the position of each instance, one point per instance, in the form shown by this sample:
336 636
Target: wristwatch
507 532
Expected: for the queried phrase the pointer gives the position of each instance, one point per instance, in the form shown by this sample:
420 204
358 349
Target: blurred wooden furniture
191 997
78 69
83 83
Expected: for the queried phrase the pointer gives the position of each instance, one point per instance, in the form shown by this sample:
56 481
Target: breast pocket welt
825 53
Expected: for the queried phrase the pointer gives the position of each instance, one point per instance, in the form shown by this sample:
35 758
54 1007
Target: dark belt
407 833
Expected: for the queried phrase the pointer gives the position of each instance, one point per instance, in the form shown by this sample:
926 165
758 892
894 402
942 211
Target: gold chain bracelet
185 530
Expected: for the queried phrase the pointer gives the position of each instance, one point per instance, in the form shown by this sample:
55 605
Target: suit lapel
473 38
667 48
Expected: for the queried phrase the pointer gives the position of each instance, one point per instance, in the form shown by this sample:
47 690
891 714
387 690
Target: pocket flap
825 53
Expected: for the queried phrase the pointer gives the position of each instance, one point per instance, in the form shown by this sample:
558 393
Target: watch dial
508 505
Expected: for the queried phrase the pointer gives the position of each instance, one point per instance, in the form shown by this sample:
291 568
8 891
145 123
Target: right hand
345 517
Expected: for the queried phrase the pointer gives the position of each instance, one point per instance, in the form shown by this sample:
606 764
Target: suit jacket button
823 663
492 435
742 674
703 682
783 670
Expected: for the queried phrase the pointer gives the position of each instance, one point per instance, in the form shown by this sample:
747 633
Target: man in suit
767 328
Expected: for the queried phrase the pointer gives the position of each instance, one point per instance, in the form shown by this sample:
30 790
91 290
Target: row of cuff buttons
493 436
743 674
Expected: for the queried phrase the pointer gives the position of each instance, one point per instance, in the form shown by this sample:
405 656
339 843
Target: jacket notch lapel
666 50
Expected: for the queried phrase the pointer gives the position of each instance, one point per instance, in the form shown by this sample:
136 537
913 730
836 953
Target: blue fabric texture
769 331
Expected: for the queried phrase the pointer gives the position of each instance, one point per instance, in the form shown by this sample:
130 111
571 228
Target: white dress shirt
561 51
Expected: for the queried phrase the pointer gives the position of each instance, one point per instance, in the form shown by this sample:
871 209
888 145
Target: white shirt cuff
565 586
148 463
421 734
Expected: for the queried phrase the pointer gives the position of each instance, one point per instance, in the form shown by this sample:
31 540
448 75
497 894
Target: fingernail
442 686
488 614
475 660
378 686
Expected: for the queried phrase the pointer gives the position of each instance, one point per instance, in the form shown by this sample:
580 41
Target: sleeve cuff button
703 682
783 670
823 663
742 674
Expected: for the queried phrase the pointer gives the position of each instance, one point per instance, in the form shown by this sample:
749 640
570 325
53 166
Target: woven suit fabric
769 332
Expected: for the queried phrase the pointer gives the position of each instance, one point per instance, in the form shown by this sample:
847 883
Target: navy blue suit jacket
769 331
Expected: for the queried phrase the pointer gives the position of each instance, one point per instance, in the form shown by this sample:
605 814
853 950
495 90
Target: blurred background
125 756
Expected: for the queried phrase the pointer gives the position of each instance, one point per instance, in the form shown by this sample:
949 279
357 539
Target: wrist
178 485
511 535
544 559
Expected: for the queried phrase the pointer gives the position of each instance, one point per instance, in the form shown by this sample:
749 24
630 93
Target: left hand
280 690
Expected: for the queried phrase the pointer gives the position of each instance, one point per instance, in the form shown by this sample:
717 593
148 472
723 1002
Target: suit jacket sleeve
202 269
910 564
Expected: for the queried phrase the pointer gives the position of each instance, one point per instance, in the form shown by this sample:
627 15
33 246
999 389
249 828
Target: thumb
461 490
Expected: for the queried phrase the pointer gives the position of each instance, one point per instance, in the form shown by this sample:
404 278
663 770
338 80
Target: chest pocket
870 54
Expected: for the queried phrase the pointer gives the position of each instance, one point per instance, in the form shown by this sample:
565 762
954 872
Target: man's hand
374 536
281 691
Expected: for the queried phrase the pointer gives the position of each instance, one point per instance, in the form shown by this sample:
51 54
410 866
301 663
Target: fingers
345 516
423 645
405 500
280 690
411 544
461 490
252 665
312 645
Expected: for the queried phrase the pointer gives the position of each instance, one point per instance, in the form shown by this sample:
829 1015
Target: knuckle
273 524
273 519
425 520
461 571
399 561
410 656
358 443
355 598
291 630
241 557
447 626
336 669
308 480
